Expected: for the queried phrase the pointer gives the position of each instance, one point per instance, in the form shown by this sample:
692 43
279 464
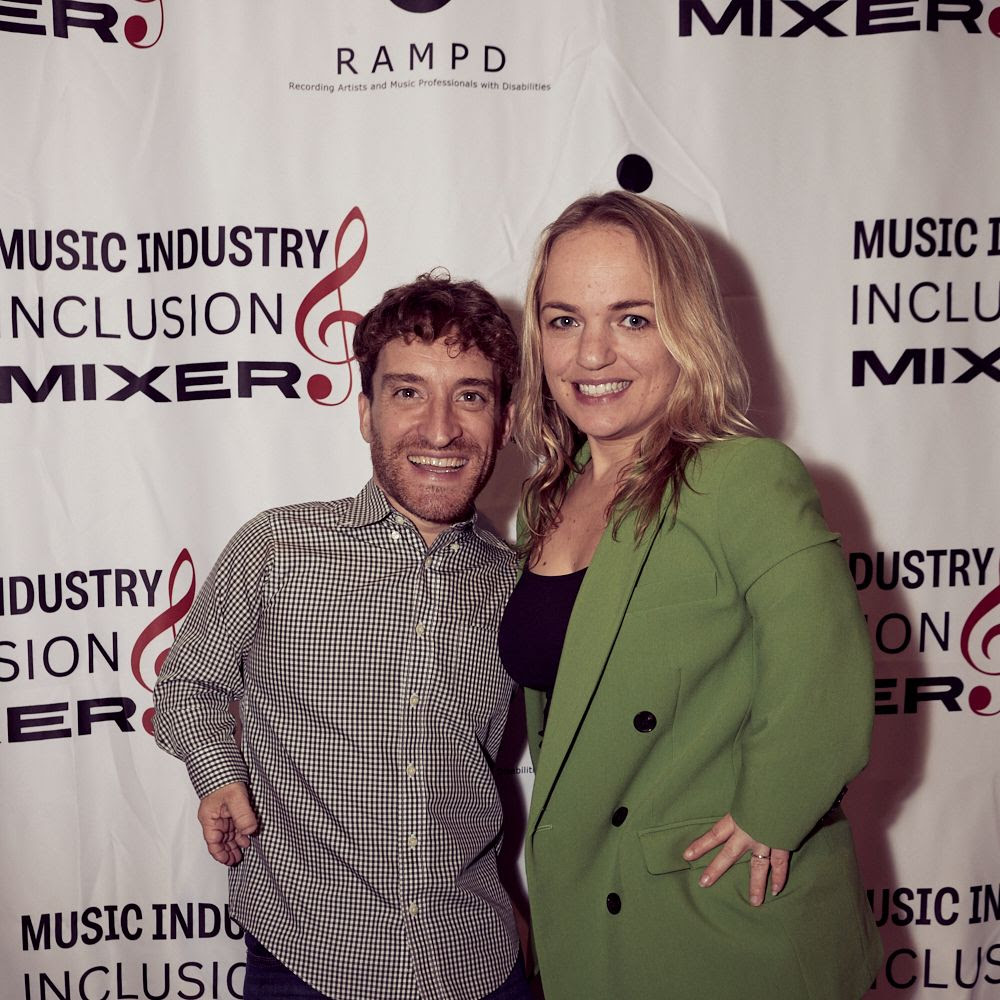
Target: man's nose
441 423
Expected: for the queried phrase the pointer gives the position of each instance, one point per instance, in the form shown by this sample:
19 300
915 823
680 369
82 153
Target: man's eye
472 397
406 393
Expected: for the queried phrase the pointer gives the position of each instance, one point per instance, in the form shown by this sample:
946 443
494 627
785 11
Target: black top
533 628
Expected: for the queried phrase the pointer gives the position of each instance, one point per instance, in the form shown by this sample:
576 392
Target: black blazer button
645 722
614 903
618 816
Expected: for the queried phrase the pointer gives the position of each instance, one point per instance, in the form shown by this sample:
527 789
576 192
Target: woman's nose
594 349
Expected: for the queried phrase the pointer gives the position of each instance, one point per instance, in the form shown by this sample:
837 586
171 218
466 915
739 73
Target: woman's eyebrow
630 304
623 304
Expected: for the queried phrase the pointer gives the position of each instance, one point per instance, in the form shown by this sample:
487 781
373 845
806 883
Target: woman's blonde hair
708 403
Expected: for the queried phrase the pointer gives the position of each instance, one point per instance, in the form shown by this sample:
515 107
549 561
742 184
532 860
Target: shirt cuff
211 767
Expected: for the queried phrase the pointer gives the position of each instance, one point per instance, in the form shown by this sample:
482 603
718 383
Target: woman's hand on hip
735 843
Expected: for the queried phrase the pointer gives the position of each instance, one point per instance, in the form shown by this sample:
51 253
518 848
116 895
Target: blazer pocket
685 589
663 846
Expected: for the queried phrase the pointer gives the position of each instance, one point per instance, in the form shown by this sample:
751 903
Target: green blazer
720 665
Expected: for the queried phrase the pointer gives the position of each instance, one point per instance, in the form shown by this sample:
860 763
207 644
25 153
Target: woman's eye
472 397
633 322
562 322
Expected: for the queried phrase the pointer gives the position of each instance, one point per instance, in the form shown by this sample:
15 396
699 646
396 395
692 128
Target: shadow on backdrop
899 742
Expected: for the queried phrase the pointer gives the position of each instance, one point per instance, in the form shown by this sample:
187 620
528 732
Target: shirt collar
371 506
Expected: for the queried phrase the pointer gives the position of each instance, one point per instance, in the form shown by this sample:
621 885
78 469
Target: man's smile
438 463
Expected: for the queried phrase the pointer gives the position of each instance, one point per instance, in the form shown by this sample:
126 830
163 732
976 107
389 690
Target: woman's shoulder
759 498
752 459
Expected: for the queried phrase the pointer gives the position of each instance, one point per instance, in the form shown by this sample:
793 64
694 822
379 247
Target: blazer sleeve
809 727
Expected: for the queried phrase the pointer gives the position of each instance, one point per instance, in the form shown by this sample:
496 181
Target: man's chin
437 498
438 511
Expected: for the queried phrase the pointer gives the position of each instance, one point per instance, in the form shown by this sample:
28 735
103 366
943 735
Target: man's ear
506 424
365 416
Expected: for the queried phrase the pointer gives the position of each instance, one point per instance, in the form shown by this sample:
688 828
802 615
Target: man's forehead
444 355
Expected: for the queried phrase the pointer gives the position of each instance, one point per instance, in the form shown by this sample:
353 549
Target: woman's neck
608 459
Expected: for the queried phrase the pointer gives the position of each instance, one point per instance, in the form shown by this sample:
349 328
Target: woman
697 671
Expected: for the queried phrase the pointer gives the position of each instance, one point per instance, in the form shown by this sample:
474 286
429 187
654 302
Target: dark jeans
267 979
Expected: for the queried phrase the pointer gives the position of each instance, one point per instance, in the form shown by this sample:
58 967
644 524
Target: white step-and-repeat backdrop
198 201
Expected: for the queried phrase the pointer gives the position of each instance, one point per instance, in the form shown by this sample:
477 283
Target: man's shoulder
305 510
493 541
275 522
346 512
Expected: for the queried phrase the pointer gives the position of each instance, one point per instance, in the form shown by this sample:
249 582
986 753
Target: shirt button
427 561
399 519
412 841
411 770
413 909
395 536
420 629
414 700
454 546
614 903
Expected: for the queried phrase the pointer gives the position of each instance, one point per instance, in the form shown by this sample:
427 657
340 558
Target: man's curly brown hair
434 306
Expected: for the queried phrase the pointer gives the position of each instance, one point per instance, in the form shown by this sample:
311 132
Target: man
359 814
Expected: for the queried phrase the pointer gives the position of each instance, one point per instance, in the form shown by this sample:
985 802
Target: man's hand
736 842
227 821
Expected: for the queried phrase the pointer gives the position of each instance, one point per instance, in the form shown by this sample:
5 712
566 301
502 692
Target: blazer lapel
593 627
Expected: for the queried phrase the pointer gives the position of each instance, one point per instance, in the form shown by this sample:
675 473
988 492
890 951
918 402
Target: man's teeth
602 388
437 463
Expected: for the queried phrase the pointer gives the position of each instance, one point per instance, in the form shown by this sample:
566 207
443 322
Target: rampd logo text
491 58
83 18
833 18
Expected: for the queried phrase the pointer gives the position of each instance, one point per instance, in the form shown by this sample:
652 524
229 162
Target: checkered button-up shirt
373 703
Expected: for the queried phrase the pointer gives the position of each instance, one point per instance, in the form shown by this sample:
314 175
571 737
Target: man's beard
444 503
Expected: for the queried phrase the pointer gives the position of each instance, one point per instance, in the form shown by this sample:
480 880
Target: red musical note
980 697
319 387
136 28
168 619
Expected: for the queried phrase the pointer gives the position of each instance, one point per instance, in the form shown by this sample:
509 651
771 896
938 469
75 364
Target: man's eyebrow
478 383
410 378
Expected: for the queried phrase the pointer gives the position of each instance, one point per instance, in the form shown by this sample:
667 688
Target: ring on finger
761 857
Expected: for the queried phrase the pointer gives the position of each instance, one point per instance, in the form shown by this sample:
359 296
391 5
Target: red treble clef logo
136 28
319 387
169 619
980 697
